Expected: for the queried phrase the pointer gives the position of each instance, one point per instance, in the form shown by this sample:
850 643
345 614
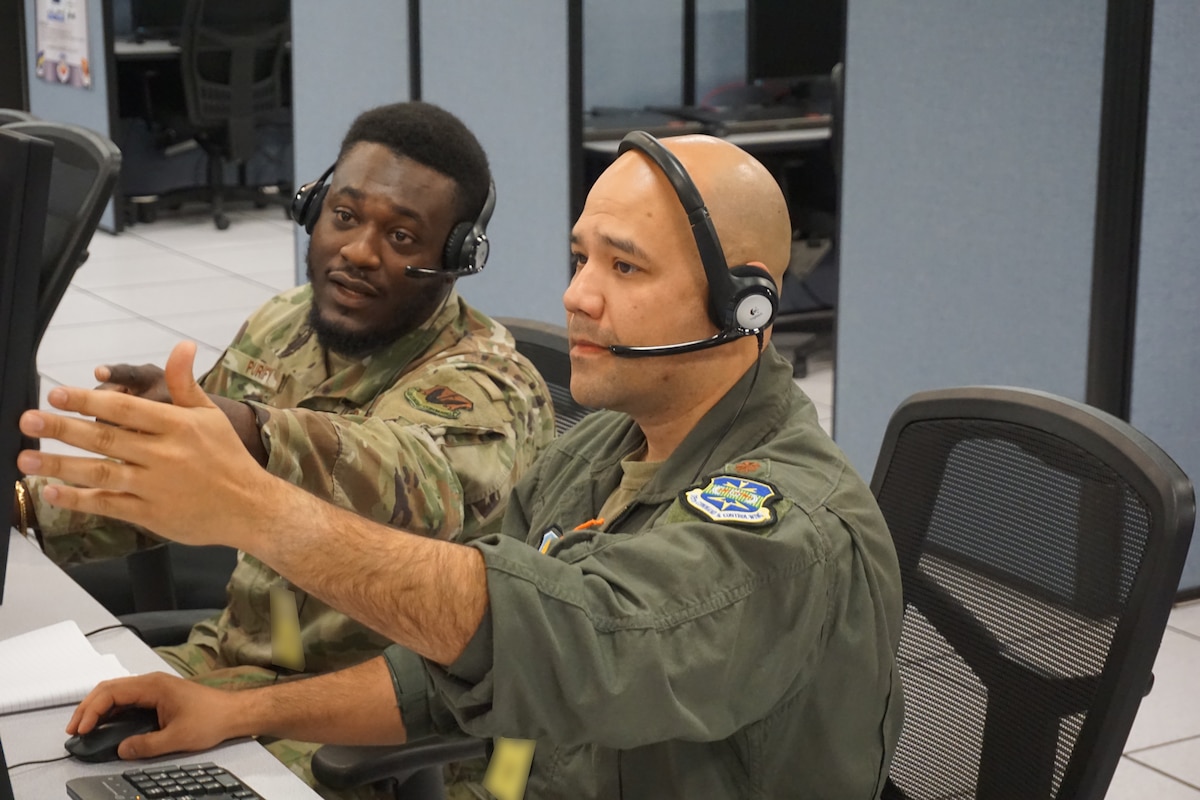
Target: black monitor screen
793 38
158 19
25 164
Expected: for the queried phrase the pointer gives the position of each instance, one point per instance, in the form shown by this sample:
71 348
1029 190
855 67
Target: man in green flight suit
370 387
693 594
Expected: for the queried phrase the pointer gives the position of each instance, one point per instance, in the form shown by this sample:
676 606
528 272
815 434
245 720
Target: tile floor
142 291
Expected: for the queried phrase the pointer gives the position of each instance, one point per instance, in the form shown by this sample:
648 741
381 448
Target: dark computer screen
6 790
792 39
158 19
24 194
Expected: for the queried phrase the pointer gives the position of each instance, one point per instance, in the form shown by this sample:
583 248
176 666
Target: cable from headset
732 420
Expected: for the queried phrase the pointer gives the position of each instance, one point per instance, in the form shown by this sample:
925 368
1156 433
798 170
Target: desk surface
38 593
147 48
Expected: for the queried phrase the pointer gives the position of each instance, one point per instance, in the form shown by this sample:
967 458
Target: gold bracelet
23 506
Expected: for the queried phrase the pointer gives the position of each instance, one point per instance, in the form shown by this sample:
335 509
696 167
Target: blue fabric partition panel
503 68
56 102
1165 402
969 197
346 57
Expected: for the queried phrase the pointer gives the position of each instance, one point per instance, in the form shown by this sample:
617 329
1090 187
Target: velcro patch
729 498
440 401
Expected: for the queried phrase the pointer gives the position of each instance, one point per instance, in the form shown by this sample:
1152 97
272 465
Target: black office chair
232 61
84 173
1040 542
414 771
8 115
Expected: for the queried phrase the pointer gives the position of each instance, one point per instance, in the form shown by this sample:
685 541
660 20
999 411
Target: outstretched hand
178 469
190 716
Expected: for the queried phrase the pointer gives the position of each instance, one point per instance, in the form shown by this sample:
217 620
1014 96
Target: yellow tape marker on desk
508 770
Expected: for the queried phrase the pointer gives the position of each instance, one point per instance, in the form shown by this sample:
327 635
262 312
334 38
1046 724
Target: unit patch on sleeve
732 499
440 401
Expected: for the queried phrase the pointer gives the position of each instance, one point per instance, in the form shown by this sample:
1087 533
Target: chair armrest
163 628
348 766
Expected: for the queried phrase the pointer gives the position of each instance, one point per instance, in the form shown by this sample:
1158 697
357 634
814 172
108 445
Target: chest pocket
252 377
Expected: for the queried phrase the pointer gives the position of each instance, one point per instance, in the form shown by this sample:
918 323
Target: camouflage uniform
428 435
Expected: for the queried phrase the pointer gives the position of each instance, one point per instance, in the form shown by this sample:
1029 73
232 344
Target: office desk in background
38 593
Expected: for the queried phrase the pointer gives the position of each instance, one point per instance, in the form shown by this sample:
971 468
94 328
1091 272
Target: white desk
148 48
36 594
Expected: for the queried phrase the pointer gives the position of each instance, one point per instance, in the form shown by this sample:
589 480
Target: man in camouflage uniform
373 389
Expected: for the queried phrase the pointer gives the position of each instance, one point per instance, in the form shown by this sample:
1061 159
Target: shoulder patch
728 498
440 401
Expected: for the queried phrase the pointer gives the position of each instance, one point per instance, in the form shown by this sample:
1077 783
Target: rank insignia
440 401
731 499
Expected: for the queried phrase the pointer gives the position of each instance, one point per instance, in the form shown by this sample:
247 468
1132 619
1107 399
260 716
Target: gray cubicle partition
632 53
90 107
969 197
1165 402
346 57
504 68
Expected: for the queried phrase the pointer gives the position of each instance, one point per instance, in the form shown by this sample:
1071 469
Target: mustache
589 333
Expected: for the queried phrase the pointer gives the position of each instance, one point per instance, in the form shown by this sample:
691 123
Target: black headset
742 300
466 248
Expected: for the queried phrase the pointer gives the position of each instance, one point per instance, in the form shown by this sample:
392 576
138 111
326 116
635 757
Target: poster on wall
62 42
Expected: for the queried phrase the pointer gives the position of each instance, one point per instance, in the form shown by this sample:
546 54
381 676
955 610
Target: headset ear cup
454 257
312 208
755 298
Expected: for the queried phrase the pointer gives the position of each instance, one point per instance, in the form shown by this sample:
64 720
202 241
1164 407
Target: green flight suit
732 634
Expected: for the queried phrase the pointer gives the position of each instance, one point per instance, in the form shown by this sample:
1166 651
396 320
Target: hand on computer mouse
192 716
102 741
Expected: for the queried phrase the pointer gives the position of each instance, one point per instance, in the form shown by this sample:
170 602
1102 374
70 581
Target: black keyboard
187 782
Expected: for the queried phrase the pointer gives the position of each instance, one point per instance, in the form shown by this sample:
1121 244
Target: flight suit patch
441 401
730 498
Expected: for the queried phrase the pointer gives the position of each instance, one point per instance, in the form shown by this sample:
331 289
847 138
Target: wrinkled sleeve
436 467
690 630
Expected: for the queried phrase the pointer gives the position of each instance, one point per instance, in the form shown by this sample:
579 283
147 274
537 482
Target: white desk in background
36 594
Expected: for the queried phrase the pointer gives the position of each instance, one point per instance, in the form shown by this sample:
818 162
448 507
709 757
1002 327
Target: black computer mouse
100 743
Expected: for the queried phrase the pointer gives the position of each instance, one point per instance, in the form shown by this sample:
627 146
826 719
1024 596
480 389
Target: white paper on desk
51 666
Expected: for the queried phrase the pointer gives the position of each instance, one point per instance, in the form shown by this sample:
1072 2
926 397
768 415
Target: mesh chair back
232 61
546 346
1040 544
85 171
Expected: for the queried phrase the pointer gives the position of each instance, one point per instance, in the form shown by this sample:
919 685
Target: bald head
744 200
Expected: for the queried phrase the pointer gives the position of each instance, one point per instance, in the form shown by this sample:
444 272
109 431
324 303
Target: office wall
633 51
86 107
510 85
969 192
346 57
1166 366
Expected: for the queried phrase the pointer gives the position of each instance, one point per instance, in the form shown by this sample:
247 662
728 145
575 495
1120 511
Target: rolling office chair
414 770
1040 543
232 61
8 115
82 178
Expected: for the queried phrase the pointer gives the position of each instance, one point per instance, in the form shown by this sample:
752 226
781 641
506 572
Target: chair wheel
221 221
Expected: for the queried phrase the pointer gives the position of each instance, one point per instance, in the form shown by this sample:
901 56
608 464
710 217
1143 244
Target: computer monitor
793 40
6 790
25 164
157 19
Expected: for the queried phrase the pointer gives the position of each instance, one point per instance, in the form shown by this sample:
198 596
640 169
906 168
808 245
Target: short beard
343 342
346 343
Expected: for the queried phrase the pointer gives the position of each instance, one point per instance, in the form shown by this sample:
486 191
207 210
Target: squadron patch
732 499
440 401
